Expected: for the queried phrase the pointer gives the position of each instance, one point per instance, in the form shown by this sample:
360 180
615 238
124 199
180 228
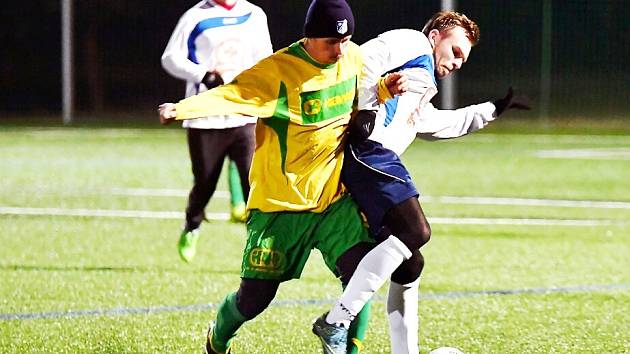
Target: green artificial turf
77 284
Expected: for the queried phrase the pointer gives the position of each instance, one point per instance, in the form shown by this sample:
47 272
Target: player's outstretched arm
435 123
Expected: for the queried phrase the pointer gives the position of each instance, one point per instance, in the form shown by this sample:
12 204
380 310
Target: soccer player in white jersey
377 179
212 43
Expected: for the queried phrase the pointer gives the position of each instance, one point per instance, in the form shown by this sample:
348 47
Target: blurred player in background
304 95
212 43
377 179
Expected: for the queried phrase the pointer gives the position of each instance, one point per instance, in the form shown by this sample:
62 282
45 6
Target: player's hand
167 113
396 83
511 102
212 79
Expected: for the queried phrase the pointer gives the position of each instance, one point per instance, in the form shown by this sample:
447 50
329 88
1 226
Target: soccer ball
446 350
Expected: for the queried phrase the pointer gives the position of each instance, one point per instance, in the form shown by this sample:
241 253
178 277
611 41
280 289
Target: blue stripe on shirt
207 24
390 110
424 62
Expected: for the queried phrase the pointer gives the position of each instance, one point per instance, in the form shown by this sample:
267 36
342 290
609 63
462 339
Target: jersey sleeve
175 57
434 123
385 53
254 92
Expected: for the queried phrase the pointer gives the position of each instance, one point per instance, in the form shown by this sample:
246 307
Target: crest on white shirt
342 26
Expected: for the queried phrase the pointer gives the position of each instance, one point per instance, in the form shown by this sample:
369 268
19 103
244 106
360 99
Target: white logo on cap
342 26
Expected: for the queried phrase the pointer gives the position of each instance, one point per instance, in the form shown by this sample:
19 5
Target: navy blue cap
328 19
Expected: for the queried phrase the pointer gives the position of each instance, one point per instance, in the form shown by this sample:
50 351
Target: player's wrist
383 93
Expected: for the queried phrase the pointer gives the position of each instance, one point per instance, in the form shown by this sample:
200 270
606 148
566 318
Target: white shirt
209 37
400 120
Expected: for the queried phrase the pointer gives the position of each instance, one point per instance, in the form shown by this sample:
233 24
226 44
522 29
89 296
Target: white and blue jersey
400 120
373 172
211 37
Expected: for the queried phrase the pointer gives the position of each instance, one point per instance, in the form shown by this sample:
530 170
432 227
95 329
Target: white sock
402 312
371 273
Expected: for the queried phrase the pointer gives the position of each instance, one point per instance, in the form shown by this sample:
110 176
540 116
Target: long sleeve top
210 37
303 108
400 120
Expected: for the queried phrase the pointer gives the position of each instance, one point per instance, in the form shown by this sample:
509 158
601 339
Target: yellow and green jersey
304 109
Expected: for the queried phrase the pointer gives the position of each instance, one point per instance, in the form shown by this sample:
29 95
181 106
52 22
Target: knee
416 236
424 233
409 270
254 296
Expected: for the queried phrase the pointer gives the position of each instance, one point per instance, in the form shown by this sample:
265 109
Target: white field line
111 213
528 222
149 192
528 202
552 138
154 192
224 216
600 153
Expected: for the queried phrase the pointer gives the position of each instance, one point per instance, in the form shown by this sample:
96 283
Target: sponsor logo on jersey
328 103
312 107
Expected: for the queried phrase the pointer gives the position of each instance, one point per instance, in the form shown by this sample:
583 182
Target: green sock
358 329
234 183
229 320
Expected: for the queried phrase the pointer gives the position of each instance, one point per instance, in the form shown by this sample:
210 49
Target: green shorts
279 244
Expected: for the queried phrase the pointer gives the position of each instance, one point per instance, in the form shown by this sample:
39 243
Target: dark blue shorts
377 180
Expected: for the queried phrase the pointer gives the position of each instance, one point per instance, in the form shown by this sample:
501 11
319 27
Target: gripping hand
511 101
167 113
212 79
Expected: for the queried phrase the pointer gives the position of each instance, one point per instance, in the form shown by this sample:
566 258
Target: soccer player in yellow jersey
304 95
